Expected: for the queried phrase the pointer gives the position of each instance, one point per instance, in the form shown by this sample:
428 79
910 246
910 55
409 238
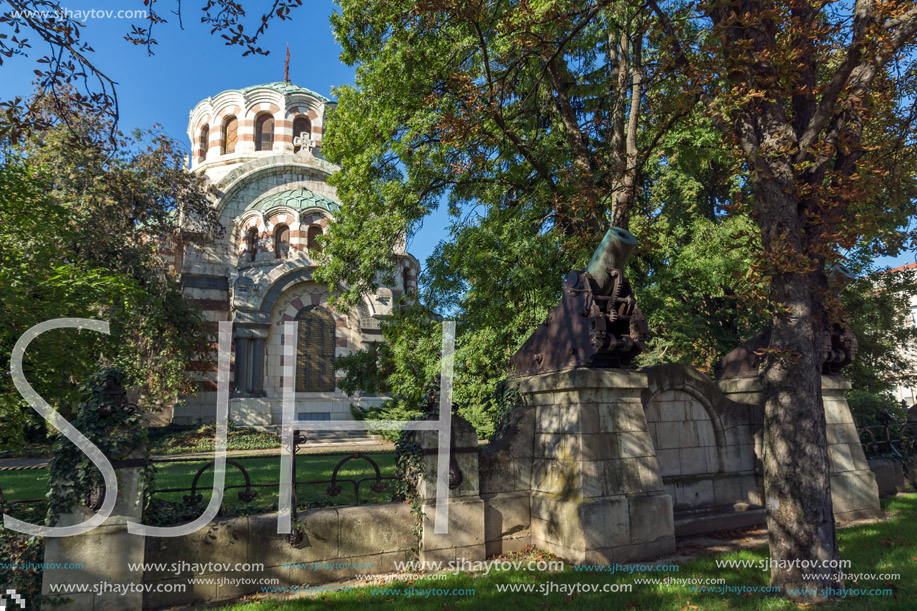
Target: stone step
703 521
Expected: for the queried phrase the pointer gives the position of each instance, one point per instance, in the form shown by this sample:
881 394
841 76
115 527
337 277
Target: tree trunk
800 519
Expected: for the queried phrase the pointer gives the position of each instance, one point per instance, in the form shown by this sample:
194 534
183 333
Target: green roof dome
286 87
297 199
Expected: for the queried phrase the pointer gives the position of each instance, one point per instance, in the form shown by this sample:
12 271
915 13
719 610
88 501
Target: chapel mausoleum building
260 149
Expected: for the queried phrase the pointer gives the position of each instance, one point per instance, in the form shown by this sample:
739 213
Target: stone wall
705 446
377 535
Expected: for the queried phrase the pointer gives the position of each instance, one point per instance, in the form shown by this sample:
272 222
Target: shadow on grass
886 547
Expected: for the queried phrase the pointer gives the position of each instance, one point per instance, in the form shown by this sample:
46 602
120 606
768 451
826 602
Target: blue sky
190 64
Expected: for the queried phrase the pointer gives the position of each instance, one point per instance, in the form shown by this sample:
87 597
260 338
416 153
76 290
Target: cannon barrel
612 253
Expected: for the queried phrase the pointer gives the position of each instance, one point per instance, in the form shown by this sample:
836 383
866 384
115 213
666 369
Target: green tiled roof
297 199
287 88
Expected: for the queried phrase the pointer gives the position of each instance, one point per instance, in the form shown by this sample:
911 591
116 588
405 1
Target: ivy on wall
116 428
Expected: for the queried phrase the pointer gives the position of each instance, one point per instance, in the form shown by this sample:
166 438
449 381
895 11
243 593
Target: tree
817 105
529 110
83 227
68 64
508 108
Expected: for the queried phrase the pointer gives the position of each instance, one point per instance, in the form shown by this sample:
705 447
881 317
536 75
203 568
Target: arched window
230 135
264 133
281 242
203 143
315 350
312 238
252 239
301 125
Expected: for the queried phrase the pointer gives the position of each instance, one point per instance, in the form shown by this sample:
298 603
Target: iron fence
335 487
889 439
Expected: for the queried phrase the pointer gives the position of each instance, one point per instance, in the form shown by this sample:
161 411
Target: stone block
556 521
498 472
728 490
844 432
221 541
591 476
465 527
652 412
549 445
621 416
321 538
837 411
634 444
712 456
687 435
556 419
667 435
672 411
374 529
597 446
542 475
104 552
695 494
705 433
506 515
651 518
846 457
889 476
632 476
854 494
669 462
696 412
693 460
605 522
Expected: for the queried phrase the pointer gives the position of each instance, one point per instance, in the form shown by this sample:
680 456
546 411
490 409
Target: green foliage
193 440
118 432
19 549
878 309
84 225
409 469
866 405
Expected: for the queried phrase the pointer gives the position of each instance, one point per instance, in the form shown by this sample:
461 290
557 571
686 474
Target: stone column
854 492
257 366
597 495
104 552
465 539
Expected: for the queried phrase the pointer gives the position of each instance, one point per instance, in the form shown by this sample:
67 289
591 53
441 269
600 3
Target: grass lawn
34 483
886 547
175 439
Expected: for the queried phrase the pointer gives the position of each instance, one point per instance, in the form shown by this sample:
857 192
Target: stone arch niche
705 445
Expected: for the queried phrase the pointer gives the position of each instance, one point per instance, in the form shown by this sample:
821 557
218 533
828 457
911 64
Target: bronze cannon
597 322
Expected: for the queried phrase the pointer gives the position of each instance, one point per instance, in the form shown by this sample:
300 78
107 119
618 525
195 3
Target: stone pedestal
854 492
104 552
465 537
597 495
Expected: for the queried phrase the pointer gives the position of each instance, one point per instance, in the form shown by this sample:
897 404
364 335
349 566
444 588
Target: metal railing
247 491
889 438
